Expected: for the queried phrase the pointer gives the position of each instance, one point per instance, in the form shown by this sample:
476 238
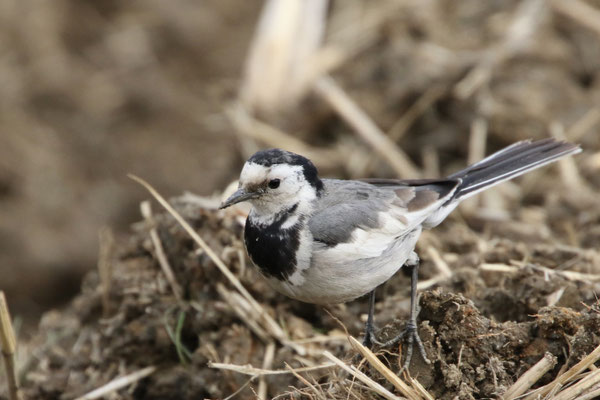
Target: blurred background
90 91
181 92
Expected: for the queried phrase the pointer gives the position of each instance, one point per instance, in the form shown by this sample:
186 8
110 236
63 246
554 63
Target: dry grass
569 385
391 84
8 347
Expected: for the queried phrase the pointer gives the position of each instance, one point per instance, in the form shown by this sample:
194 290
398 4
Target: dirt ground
510 276
482 327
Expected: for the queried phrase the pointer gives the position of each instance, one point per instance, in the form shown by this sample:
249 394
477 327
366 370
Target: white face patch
293 190
253 174
256 174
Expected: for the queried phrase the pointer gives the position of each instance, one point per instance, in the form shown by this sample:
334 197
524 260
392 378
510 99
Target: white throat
293 197
266 212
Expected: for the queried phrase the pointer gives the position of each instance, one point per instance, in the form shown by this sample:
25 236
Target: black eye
274 183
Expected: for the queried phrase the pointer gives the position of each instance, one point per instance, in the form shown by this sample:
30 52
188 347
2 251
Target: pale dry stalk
8 346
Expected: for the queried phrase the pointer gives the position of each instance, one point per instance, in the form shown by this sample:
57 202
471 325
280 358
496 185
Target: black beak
239 196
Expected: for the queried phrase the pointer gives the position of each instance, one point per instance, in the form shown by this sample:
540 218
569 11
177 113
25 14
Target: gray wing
347 206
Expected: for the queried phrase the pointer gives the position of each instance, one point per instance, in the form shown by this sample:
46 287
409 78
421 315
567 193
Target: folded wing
362 219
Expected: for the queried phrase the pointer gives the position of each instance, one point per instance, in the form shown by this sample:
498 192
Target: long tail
508 163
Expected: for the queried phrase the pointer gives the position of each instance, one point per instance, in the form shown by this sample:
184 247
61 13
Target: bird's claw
411 334
370 337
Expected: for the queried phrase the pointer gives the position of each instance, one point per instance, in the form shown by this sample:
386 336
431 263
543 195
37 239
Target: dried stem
269 323
403 124
584 125
568 169
118 383
9 346
250 127
386 372
107 245
146 210
582 12
530 377
302 379
267 363
517 37
570 275
365 127
376 387
568 376
250 370
573 392
243 310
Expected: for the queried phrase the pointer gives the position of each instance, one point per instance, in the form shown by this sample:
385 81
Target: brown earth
145 92
481 328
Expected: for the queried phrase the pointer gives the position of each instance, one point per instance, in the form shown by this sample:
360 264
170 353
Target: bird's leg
410 332
369 327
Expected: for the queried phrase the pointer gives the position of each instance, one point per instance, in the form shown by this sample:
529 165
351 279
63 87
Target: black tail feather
510 162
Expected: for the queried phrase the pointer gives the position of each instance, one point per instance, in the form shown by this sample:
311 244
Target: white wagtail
327 241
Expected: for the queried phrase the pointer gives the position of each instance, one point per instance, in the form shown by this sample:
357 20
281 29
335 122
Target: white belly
338 276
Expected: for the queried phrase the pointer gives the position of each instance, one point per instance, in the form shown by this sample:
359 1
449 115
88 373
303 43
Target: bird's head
274 180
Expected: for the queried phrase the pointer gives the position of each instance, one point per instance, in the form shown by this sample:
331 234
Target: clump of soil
509 277
473 356
479 342
82 349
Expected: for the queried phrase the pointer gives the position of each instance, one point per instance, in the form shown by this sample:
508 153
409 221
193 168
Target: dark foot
369 338
411 334
369 327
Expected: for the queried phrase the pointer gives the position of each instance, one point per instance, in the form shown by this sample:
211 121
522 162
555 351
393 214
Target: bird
330 241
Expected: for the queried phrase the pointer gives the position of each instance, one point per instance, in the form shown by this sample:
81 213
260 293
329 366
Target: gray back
345 206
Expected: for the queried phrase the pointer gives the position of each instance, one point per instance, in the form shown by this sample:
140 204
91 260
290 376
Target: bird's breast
272 248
